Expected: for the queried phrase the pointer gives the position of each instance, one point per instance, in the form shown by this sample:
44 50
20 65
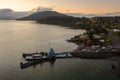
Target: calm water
17 37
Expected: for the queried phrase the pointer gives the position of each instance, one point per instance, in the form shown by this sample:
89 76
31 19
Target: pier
47 58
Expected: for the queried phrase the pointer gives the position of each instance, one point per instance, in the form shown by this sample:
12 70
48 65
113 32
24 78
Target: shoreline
93 45
91 55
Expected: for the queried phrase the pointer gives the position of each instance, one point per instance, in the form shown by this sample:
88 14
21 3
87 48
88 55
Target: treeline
107 22
66 21
96 23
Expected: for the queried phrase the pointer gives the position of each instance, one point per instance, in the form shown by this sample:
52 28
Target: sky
65 6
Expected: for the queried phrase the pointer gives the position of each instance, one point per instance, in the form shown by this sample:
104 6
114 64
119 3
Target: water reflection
52 63
35 63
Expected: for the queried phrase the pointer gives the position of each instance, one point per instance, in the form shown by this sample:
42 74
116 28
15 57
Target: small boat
34 54
34 57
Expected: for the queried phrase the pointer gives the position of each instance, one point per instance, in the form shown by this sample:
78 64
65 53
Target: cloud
41 8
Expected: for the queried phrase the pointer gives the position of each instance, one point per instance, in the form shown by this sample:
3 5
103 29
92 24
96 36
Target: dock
27 64
32 63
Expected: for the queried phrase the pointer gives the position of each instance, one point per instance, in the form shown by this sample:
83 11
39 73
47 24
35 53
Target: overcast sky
71 6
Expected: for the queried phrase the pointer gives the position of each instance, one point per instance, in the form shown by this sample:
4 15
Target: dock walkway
62 55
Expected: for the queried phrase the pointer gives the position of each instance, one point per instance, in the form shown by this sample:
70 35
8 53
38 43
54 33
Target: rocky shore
95 51
96 45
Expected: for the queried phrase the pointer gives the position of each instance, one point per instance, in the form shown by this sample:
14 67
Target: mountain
111 14
44 14
93 15
81 15
8 14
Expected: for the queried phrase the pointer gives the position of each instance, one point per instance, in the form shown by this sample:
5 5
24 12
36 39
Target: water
17 37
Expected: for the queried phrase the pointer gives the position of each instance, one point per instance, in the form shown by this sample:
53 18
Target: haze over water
17 37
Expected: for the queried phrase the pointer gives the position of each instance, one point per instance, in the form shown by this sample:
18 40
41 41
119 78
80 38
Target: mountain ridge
94 15
45 14
9 14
